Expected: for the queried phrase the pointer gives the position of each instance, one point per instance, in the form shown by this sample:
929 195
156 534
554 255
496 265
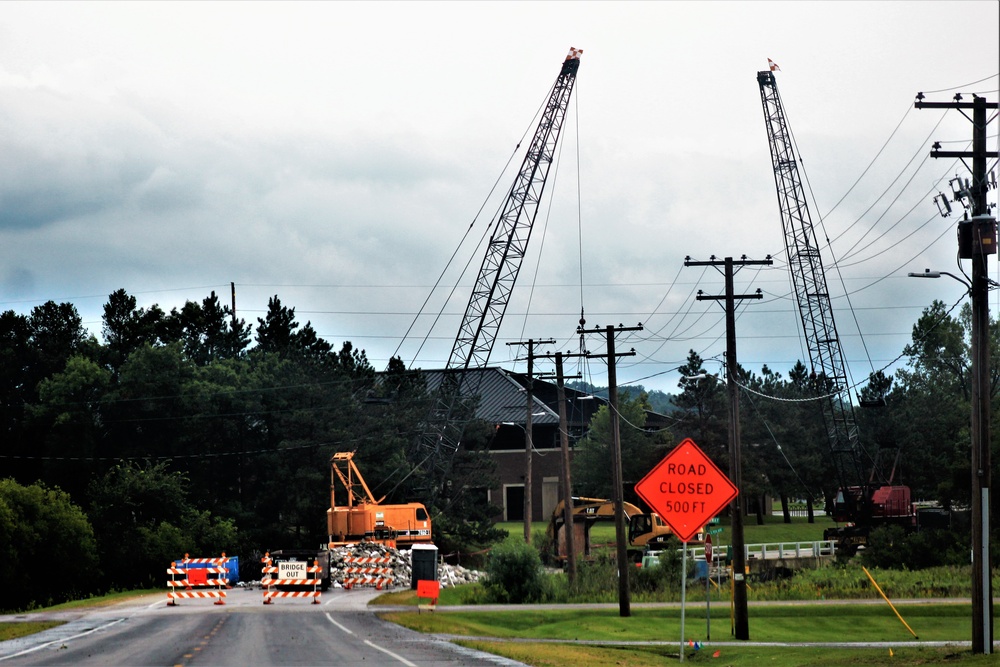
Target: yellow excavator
646 530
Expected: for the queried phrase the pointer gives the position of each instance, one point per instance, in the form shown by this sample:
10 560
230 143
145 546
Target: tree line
192 431
917 431
188 431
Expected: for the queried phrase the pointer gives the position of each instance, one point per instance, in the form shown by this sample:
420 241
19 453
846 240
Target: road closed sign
292 570
686 489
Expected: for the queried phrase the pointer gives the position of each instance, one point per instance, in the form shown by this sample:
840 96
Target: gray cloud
341 173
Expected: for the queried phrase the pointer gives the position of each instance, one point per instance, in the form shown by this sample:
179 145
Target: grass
779 623
15 629
555 655
774 530
98 601
793 623
455 595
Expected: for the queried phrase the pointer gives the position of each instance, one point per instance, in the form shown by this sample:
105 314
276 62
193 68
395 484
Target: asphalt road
243 632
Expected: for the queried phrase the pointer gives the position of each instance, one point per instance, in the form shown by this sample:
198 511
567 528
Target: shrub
891 547
664 576
596 579
514 573
42 530
546 546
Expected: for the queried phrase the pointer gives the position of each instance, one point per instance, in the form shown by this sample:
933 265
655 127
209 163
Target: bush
664 576
514 573
891 547
43 532
596 579
546 546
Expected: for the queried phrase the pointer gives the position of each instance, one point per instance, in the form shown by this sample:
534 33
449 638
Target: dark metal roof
502 397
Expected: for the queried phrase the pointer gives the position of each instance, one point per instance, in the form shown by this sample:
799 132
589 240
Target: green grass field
794 623
791 623
25 628
780 623
560 655
773 530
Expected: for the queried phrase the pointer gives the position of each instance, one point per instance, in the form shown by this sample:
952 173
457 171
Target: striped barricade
290 573
367 571
195 580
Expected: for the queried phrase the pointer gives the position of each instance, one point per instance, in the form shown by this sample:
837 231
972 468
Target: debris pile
399 565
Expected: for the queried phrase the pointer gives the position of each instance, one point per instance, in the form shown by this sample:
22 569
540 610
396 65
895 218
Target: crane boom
509 242
826 354
494 284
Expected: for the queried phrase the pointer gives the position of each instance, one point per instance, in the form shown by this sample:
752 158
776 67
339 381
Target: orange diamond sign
686 489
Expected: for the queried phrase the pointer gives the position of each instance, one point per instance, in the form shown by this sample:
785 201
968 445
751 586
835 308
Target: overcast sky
336 153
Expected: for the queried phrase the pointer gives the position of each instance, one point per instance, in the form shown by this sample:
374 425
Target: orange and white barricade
367 571
290 573
196 582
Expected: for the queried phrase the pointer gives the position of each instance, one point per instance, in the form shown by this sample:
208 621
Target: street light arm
937 274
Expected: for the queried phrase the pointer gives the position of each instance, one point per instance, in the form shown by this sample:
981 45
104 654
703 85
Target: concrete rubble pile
399 564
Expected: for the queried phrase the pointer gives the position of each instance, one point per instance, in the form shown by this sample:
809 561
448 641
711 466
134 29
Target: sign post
686 489
708 584
684 570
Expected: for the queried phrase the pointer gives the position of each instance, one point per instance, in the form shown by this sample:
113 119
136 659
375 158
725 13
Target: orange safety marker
428 589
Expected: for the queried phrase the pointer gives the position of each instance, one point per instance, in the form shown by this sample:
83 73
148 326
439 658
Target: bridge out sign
686 489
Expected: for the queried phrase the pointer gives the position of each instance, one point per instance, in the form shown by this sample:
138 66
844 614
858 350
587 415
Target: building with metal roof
503 402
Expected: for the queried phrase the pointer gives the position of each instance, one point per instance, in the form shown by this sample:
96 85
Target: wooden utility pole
567 489
741 624
528 426
567 485
617 496
977 239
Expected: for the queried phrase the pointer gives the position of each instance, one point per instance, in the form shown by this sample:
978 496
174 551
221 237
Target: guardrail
772 550
817 511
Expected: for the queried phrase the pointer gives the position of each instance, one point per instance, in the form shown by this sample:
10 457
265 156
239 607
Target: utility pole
567 486
977 239
741 623
528 442
624 603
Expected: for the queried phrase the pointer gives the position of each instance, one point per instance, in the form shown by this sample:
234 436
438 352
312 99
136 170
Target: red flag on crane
773 65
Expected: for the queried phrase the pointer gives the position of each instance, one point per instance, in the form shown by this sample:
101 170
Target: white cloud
335 154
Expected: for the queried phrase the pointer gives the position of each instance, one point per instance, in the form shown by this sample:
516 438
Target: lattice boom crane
497 275
861 500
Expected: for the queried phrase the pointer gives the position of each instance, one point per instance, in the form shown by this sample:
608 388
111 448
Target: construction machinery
360 517
434 451
646 530
866 497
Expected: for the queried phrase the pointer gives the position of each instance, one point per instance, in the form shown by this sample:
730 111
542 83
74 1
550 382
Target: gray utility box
425 564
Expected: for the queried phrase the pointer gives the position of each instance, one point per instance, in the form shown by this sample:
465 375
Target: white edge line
374 646
63 639
156 603
338 624
390 653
